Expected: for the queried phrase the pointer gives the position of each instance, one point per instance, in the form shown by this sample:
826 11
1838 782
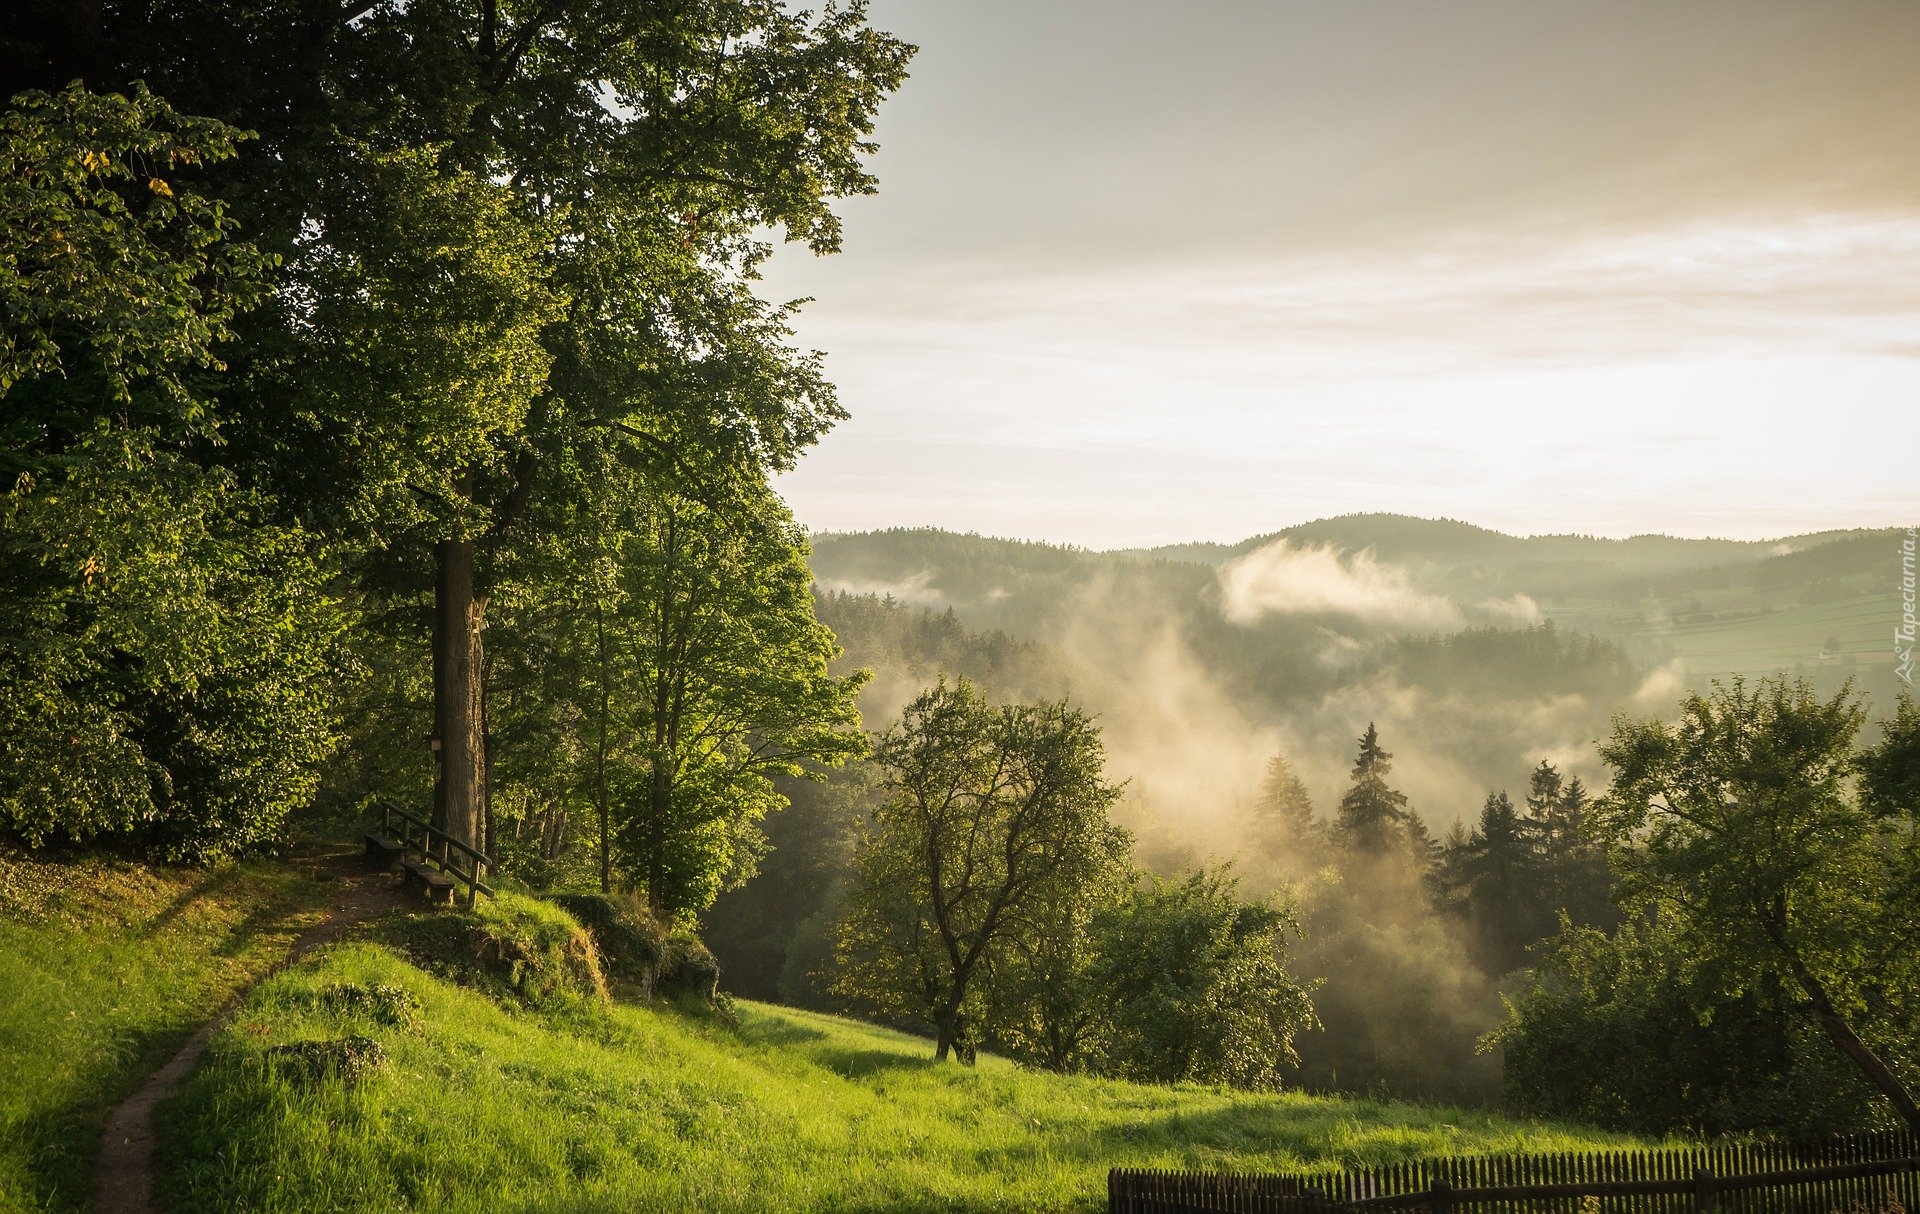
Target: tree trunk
950 1027
486 763
1848 1041
459 711
600 753
659 800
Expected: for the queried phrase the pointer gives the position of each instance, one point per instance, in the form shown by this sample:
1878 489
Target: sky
1143 272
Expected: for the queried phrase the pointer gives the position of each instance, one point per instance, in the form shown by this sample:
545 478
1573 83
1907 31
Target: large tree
1740 824
990 814
1285 828
1373 822
507 230
1496 873
1192 985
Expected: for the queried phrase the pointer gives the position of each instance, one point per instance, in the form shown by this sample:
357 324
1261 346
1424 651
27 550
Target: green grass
486 1108
105 969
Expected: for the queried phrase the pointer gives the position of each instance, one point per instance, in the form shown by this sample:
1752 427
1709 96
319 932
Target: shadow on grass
211 883
859 1064
769 1030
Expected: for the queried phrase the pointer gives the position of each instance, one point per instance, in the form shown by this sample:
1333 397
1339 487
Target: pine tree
1503 885
1373 818
1285 827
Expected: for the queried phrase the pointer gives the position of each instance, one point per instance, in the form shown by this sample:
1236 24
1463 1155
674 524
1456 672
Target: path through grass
105 968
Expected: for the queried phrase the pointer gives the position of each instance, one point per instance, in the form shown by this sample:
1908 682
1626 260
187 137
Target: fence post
1703 1191
1440 1196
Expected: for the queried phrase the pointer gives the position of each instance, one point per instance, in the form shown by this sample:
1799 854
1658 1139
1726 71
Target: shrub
380 1002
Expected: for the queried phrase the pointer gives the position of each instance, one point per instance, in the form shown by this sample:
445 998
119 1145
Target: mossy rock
690 968
632 943
637 949
512 947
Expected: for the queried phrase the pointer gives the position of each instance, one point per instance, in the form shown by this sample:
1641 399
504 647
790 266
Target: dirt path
123 1178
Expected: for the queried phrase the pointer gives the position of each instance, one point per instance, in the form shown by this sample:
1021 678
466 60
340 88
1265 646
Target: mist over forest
1476 656
1477 653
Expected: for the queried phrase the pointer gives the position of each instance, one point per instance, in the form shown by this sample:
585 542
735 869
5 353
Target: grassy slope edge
106 967
486 1107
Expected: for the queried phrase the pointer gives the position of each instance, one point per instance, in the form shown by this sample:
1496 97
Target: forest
391 415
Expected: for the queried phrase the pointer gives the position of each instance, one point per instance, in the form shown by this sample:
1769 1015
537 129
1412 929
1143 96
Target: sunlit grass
483 1108
105 969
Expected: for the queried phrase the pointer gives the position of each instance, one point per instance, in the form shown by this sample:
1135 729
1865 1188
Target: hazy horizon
1135 275
1230 540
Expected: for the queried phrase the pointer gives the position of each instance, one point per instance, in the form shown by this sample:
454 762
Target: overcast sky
1142 272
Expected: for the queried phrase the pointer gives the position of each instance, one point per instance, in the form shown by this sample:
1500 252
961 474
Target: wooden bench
384 852
438 885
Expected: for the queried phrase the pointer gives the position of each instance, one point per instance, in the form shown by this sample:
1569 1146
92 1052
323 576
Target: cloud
1520 611
917 589
1662 687
1280 579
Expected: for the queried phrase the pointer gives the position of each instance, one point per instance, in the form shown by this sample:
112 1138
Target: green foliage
115 281
165 673
1514 876
1496 875
1192 986
651 1109
1047 1001
1740 827
1890 770
406 349
1637 1031
682 673
776 922
734 688
165 667
1372 823
992 817
105 969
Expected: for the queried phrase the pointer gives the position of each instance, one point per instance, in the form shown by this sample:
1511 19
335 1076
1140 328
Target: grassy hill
640 1107
105 968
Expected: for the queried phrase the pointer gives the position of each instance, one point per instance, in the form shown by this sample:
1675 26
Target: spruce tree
1284 823
1373 818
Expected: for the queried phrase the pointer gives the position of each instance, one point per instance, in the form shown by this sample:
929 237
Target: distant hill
1722 607
1297 638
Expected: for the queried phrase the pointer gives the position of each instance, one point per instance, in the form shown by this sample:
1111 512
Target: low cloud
1662 687
1280 579
917 589
1520 611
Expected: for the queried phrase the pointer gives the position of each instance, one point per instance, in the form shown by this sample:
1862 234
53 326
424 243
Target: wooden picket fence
1874 1173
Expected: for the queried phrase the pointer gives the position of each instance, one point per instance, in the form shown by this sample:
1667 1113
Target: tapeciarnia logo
1903 632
